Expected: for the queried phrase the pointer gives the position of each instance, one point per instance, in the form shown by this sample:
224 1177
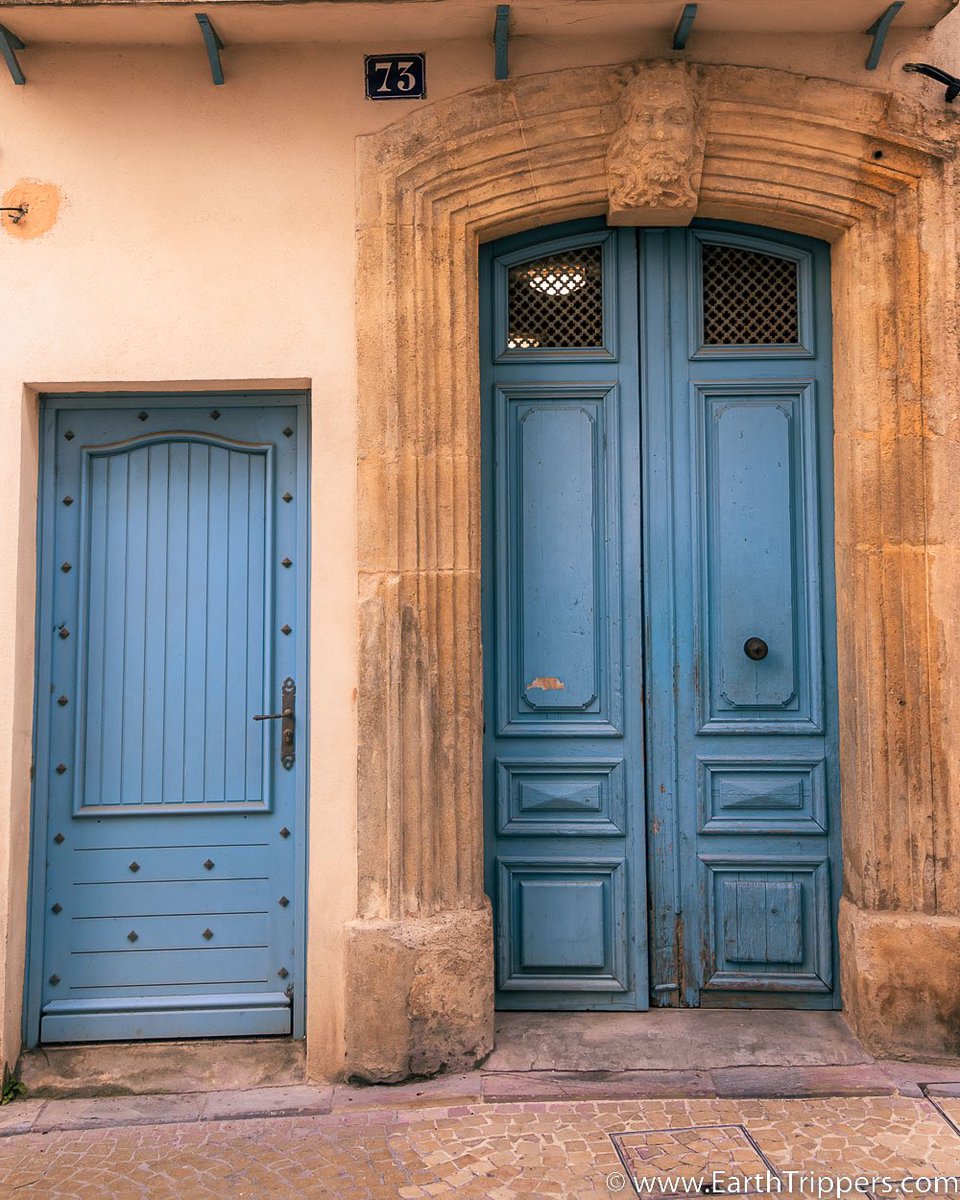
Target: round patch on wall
41 202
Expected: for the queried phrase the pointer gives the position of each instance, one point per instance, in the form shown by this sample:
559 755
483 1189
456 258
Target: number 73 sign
396 76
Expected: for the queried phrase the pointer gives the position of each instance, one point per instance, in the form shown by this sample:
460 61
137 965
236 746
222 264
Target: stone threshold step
151 1068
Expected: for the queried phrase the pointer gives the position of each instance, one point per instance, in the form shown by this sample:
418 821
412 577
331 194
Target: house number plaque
396 76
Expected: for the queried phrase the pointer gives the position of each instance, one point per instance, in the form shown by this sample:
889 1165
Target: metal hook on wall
950 82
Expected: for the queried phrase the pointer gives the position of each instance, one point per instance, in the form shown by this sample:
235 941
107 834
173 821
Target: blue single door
740 599
661 779
166 884
563 657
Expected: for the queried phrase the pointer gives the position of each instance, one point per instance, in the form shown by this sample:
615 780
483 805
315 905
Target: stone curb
113 1111
452 1096
728 1083
795 1083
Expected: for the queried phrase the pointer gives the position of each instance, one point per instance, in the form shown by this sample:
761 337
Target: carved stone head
655 159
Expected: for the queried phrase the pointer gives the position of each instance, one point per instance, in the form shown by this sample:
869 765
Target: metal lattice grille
749 299
556 302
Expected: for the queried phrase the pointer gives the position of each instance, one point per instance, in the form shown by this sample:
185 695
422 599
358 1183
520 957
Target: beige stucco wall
206 236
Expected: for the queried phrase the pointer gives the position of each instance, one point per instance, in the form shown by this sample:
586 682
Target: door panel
758 520
177 533
565 925
585 796
171 575
558 630
741 796
687 641
768 924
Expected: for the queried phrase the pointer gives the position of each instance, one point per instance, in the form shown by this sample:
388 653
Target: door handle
288 715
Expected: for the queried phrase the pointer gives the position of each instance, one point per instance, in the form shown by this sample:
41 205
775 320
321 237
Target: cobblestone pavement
492 1151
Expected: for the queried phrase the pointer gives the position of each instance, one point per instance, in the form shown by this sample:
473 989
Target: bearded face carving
655 160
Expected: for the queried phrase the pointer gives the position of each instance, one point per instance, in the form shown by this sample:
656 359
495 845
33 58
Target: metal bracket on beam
9 42
501 42
214 46
684 25
878 31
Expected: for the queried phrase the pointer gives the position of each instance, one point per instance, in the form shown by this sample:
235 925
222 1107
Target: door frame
50 403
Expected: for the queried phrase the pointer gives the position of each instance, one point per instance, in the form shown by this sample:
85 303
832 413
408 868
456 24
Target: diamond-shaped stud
134 867
286 562
286 497
288 432
208 934
283 902
65 567
209 864
132 935
54 980
286 630
61 768
59 838
62 700
69 435
56 909
68 500
64 632
143 416
215 415
284 832
283 972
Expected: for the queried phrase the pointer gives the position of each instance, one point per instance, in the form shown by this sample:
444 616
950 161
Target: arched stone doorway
869 174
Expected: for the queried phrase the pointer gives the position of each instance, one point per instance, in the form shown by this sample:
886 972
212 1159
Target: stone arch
859 168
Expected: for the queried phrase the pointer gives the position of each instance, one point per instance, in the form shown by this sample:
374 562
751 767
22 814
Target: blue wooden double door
167 880
661 729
